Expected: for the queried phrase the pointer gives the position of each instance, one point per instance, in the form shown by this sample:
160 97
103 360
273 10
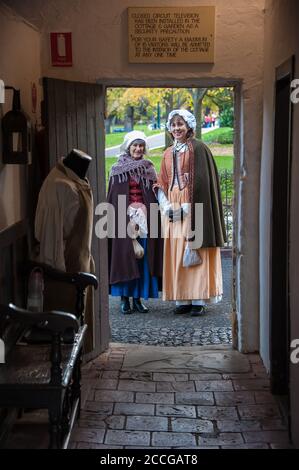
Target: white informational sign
171 34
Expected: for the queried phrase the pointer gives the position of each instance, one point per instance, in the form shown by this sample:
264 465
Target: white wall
19 67
281 41
100 52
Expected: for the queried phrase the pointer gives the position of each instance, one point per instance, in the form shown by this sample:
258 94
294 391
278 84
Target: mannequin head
78 162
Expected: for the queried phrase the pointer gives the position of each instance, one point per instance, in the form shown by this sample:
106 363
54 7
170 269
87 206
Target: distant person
133 176
213 119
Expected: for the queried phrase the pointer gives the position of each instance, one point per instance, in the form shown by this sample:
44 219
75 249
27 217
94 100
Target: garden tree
197 95
143 104
113 110
114 97
221 97
182 99
136 98
224 99
129 118
145 101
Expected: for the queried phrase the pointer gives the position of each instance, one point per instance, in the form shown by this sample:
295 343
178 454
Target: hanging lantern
16 133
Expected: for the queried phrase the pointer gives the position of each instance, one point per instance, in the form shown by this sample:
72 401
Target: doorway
161 326
279 307
75 115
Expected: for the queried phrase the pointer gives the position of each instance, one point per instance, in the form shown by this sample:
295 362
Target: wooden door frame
280 320
237 84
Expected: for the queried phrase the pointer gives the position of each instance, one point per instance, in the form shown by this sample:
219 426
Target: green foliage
145 100
219 97
227 117
224 135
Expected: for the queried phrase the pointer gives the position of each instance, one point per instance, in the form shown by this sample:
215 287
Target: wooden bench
45 374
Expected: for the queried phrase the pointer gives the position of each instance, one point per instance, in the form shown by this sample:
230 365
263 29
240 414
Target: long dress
145 285
201 284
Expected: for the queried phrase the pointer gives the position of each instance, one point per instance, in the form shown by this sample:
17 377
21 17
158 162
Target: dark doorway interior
279 317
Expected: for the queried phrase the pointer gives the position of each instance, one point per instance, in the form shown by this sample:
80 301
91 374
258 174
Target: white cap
188 117
129 139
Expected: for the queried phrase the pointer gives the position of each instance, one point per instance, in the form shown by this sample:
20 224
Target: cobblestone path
161 327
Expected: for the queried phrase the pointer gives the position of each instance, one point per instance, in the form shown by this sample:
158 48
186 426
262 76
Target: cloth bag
138 249
191 257
134 233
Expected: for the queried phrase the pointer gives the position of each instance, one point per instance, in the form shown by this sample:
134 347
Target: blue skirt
146 286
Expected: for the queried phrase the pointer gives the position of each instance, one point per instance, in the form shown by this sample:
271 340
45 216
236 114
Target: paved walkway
156 397
161 327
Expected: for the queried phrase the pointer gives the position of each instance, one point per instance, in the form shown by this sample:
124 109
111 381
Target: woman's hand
175 214
180 213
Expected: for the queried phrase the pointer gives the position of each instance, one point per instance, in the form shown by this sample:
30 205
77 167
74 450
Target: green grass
114 139
224 163
223 135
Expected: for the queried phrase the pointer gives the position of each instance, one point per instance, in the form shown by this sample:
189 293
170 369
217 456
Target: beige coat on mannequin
63 227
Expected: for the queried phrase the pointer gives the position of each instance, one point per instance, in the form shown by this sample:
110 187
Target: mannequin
63 227
78 162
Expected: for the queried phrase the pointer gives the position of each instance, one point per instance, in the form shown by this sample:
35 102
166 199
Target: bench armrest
55 322
79 280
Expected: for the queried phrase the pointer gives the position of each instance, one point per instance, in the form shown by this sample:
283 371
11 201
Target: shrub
224 135
227 117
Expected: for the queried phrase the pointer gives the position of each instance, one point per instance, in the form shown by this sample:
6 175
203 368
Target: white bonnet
188 117
129 139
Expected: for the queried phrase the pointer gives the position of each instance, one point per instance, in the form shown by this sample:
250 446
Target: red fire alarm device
61 49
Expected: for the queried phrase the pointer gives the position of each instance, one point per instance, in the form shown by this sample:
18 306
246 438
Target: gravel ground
161 327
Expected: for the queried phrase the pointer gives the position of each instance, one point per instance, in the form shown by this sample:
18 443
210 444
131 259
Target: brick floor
172 409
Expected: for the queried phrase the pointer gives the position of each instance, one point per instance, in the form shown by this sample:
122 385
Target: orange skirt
200 282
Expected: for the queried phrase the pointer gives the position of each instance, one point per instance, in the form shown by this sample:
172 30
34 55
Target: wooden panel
81 98
50 116
92 176
71 118
61 118
91 139
77 122
103 244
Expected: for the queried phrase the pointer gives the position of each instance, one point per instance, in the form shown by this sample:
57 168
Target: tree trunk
129 119
197 114
169 108
108 123
197 96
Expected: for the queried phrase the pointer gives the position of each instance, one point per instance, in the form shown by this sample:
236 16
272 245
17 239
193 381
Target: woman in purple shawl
132 177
